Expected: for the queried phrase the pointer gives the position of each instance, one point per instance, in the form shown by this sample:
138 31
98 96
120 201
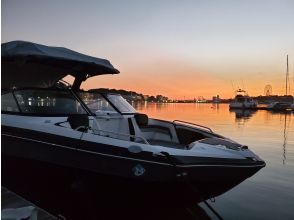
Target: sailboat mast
287 77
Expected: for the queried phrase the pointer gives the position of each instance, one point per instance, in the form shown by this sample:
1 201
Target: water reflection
285 121
153 106
243 115
285 133
215 106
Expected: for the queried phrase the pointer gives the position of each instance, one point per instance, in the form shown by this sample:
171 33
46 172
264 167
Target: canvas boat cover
26 64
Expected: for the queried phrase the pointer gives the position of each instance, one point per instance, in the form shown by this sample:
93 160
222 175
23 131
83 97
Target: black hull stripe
122 151
129 158
86 151
76 144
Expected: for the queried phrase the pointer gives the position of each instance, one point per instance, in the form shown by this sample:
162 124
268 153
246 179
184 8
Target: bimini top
26 64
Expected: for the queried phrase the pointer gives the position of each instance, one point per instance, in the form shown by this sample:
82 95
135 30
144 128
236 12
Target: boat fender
135 149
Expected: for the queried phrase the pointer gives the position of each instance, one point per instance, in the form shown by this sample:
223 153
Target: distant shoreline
133 96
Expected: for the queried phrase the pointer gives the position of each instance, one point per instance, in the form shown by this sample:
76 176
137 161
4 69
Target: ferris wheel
268 90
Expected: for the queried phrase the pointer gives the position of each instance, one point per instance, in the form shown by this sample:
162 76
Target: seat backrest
141 119
78 121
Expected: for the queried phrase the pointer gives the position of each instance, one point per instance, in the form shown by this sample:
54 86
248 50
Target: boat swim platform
15 207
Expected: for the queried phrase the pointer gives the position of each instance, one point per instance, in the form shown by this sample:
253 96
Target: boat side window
240 99
48 102
96 103
8 103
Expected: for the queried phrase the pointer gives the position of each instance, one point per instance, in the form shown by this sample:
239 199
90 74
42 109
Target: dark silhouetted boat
58 140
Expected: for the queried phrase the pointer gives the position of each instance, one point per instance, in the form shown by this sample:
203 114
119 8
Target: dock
14 205
265 108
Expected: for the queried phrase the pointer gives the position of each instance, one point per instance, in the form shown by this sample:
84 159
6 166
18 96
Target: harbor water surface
269 194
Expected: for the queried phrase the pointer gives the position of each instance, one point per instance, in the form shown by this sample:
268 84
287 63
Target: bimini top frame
26 64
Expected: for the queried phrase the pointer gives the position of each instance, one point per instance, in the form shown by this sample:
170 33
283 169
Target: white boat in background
242 101
283 106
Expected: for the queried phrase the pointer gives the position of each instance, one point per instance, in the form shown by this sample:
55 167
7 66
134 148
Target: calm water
269 194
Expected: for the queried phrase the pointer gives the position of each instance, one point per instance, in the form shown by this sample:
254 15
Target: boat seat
79 122
139 126
142 121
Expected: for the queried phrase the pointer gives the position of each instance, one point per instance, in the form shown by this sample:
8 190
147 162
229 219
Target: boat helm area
108 115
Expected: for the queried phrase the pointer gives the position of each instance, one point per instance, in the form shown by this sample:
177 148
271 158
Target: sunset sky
170 47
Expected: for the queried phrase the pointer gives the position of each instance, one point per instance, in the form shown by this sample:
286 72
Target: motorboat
58 135
242 101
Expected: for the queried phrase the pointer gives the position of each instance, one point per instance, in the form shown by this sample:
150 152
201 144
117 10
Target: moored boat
279 106
55 133
242 101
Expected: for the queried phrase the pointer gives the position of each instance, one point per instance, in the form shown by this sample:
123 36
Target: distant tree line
132 96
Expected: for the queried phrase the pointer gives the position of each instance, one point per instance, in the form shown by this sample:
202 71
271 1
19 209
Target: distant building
216 99
201 99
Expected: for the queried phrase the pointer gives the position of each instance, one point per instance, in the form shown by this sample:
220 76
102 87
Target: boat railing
135 137
177 122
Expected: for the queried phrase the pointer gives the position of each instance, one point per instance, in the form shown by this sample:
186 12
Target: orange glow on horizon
182 80
178 87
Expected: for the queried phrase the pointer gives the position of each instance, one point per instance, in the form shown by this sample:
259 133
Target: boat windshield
97 103
121 104
41 102
106 103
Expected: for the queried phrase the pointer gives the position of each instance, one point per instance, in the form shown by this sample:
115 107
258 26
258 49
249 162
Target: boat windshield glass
48 102
8 103
121 104
97 103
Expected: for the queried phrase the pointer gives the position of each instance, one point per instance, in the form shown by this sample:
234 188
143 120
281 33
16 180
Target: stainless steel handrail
201 126
122 134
